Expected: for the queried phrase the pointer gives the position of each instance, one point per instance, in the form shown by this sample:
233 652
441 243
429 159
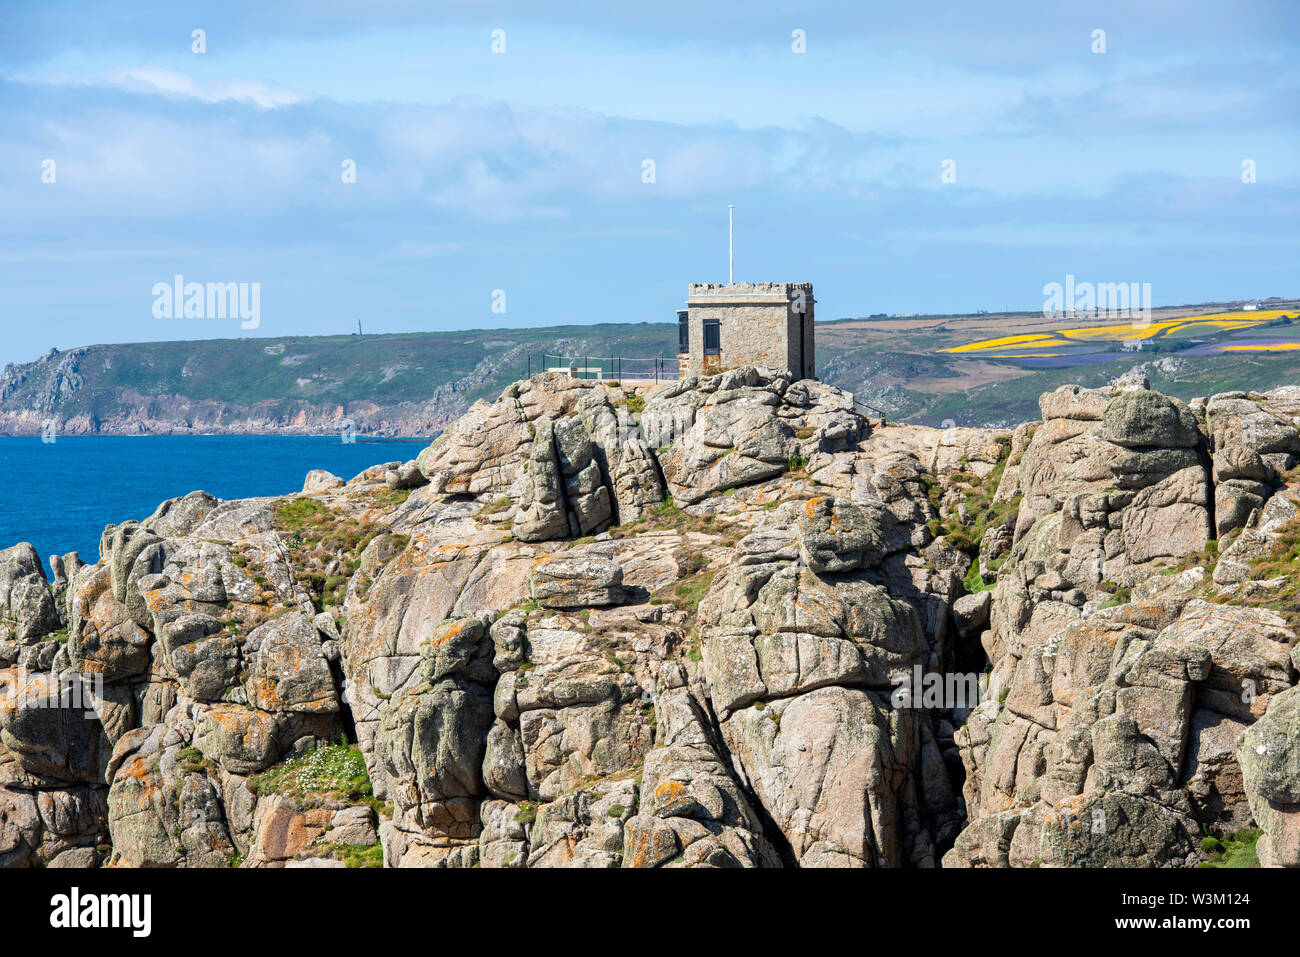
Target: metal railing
603 368
865 409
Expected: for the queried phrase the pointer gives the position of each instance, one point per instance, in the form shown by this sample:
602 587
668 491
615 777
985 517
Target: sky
520 164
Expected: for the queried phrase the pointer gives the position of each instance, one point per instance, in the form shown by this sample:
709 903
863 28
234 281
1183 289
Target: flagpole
731 254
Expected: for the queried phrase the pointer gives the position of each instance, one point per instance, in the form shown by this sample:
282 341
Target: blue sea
60 495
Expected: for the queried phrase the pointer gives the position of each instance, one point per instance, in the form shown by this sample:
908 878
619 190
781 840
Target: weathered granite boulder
319 480
204 656
837 535
1254 544
775 630
430 745
637 483
1169 519
284 832
730 444
584 828
181 516
287 668
52 827
847 780
65 568
1250 650
1143 419
1130 813
577 711
577 581
694 812
27 608
49 729
1235 418
486 451
561 492
1074 402
103 638
971 612
1269 753
164 809
405 476
241 740
503 842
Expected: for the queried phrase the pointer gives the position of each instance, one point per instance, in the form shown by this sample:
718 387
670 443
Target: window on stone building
712 337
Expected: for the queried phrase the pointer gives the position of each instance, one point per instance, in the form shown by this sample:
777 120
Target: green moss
390 497
688 593
1234 851
527 812
974 580
323 536
336 769
493 508
1120 595
983 513
695 653
191 760
299 514
353 855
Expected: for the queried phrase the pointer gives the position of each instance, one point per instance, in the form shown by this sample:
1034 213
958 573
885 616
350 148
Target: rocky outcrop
1269 754
748 425
431 744
577 581
27 609
1121 692
723 622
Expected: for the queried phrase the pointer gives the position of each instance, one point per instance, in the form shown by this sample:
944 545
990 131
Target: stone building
747 323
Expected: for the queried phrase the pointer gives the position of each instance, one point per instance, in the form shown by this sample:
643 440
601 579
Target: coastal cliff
379 385
726 621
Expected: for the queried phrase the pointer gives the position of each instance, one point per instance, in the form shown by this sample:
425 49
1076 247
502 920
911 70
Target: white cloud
158 81
171 83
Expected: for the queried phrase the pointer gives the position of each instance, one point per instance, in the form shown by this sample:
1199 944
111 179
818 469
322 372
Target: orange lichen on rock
669 790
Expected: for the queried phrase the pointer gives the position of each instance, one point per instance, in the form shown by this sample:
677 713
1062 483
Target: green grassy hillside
414 384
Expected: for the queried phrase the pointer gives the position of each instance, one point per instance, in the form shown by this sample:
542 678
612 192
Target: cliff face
385 385
723 622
